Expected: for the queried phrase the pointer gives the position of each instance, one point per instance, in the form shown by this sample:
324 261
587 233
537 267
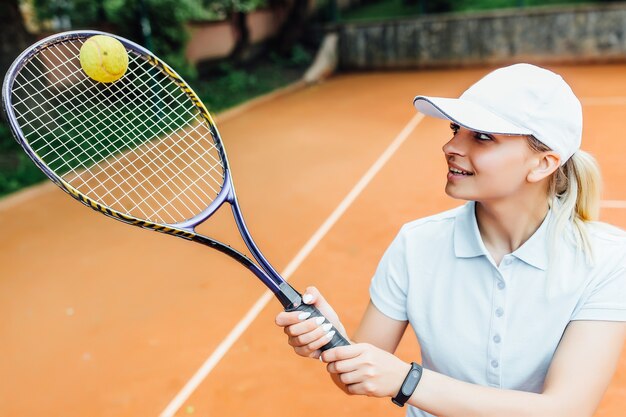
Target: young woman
518 297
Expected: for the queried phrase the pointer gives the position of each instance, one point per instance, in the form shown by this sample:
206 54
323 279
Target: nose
455 146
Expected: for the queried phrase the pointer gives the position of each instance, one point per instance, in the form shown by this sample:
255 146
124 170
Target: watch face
409 385
411 382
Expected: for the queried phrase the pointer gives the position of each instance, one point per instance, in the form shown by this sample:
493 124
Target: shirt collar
535 250
467 240
468 243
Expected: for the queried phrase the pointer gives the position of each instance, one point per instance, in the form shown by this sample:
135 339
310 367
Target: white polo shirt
487 324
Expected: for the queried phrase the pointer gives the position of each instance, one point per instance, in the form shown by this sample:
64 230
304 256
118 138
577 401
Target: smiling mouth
459 172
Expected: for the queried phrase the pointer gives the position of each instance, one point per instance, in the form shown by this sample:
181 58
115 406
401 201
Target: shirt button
499 312
501 285
494 364
497 338
508 261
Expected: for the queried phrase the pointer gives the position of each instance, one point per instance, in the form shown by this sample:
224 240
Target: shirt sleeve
389 286
607 299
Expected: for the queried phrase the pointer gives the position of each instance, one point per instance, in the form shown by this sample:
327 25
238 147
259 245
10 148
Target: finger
344 366
351 378
342 352
316 354
304 327
322 341
364 388
314 297
303 351
310 337
310 296
288 318
306 352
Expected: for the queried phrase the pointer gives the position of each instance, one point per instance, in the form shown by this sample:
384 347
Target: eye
455 128
482 136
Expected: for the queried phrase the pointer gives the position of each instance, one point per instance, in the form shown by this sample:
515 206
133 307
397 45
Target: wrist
408 385
400 374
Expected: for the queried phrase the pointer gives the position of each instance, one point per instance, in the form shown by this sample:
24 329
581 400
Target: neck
506 224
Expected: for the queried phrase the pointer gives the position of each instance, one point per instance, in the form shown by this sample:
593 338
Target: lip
460 168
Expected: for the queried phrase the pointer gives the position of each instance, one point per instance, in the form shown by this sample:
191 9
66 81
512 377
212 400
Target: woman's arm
381 331
577 379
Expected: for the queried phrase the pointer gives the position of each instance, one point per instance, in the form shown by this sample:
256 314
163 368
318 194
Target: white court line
613 203
308 247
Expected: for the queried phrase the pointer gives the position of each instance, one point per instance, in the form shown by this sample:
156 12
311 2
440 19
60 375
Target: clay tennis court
101 319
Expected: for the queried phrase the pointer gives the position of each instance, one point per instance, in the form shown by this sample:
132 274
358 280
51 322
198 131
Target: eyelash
481 137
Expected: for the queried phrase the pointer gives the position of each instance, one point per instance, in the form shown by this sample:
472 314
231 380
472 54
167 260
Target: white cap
521 99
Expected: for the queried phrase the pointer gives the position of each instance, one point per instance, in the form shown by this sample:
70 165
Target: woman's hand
308 335
366 369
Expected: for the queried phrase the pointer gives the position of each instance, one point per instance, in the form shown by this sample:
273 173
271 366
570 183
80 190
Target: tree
294 26
167 19
236 11
14 37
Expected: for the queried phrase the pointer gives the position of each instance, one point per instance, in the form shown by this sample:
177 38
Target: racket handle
337 340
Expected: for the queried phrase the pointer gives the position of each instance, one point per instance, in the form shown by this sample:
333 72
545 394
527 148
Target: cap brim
469 115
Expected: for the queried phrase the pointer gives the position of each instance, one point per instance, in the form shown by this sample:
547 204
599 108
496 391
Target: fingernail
330 335
327 327
303 316
319 320
320 358
307 298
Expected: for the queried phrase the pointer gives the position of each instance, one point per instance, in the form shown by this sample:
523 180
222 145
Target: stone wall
555 34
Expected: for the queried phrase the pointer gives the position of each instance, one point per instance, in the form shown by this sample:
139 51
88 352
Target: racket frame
288 296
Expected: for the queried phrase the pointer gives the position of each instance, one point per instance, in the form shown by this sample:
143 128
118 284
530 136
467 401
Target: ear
545 163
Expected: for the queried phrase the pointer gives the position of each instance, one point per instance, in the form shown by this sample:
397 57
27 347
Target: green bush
228 85
16 169
389 9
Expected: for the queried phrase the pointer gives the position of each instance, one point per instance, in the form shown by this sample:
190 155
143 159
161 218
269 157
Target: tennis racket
143 150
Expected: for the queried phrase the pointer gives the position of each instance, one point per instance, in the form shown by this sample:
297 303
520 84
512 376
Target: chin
459 194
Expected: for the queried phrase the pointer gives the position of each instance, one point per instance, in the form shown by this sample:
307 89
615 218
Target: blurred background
93 322
233 50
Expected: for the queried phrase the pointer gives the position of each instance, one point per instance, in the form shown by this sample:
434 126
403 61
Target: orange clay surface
101 319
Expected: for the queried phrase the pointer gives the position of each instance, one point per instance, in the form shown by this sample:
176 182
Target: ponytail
574 198
574 195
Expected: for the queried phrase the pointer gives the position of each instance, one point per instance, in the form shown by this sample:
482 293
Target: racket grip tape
337 340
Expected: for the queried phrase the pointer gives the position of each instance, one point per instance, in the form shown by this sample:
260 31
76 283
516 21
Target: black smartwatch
409 385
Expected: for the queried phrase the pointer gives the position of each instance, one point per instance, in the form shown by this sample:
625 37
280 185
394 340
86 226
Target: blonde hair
574 198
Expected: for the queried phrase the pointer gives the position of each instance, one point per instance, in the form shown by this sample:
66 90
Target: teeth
458 171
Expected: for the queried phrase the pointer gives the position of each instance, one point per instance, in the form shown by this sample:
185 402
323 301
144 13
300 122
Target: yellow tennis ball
103 58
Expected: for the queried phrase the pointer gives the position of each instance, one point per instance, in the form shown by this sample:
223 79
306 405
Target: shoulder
604 297
607 241
607 262
605 233
436 224
425 240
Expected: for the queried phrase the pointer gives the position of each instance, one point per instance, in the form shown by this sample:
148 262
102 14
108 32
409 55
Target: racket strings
161 131
124 195
139 146
180 94
175 174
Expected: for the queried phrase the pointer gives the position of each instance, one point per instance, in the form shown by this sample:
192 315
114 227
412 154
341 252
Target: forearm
441 395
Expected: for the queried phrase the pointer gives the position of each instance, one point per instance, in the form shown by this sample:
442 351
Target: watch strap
408 386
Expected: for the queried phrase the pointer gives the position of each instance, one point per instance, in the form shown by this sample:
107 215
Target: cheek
501 169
